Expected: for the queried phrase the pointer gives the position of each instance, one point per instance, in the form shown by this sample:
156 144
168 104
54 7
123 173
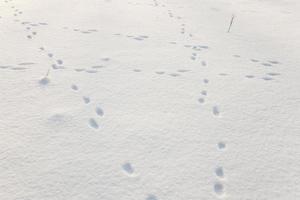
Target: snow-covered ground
149 100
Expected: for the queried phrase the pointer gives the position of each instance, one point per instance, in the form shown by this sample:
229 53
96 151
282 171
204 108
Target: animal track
99 111
135 37
174 74
266 64
27 63
201 100
249 76
273 74
93 123
74 87
97 66
5 66
216 110
60 62
274 62
91 71
79 69
221 145
127 167
54 66
254 60
89 31
18 68
105 59
151 197
219 188
86 99
267 78
194 56
44 81
219 172
183 70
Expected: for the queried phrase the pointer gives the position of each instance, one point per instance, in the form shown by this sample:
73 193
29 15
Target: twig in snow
231 22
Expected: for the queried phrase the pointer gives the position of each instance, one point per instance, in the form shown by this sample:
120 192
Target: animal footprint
93 123
216 110
223 74
91 71
79 69
151 197
18 68
204 92
219 188
26 63
267 78
249 76
174 74
273 62
4 66
266 64
60 62
86 99
183 70
138 38
44 81
99 111
219 172
254 60
201 100
127 167
105 59
97 66
221 145
273 74
74 87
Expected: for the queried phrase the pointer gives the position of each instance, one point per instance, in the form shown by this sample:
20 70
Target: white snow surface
149 100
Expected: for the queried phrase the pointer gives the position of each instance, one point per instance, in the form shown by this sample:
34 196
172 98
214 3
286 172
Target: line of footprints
129 170
219 172
98 110
58 64
218 186
201 100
